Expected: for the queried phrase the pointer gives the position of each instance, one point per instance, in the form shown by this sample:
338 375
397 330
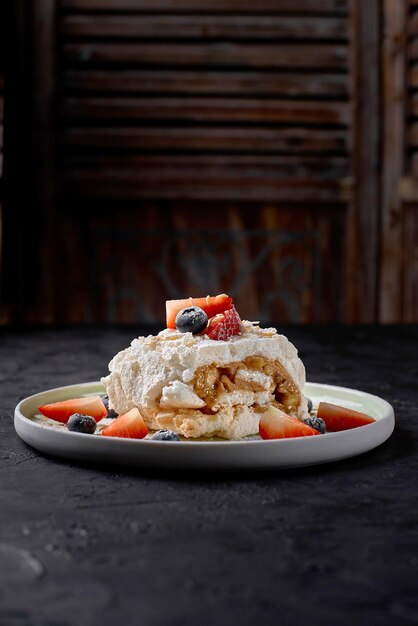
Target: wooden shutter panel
201 101
2 53
239 136
399 284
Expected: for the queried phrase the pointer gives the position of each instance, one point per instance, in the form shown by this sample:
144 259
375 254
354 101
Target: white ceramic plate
53 438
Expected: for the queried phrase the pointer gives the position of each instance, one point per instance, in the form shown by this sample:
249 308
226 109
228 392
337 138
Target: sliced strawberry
212 305
274 424
223 326
129 425
339 418
61 411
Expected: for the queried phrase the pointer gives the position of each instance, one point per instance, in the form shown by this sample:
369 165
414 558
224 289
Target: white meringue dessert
203 387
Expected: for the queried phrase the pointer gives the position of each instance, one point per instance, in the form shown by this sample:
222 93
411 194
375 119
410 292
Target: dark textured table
328 545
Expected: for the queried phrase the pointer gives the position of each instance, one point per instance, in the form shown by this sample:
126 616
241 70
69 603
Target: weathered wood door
399 277
193 146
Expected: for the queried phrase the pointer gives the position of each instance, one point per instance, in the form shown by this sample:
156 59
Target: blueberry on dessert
310 405
209 373
165 435
79 423
192 319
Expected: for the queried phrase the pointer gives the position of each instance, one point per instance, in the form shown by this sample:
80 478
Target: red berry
274 424
339 418
225 325
129 425
61 411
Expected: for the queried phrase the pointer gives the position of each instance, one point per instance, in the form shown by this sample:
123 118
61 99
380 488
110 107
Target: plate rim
20 417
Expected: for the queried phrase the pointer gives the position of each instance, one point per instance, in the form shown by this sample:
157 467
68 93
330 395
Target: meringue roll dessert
208 374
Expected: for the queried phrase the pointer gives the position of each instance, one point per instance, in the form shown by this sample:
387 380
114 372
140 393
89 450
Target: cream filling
233 397
178 395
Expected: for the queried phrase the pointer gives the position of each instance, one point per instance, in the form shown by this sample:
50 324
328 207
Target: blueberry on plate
79 423
165 435
192 319
317 423
310 404
110 412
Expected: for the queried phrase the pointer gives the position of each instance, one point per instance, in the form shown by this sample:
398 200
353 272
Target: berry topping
61 411
111 414
193 319
211 305
317 423
338 418
166 435
225 325
129 425
310 405
274 424
79 423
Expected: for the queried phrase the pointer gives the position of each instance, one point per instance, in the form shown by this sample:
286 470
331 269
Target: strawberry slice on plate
225 325
274 424
212 305
129 425
339 418
61 411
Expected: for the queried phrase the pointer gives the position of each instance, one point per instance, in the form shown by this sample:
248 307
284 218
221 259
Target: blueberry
166 435
310 405
110 412
317 423
192 319
79 423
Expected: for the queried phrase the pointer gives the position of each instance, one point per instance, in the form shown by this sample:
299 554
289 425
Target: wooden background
162 148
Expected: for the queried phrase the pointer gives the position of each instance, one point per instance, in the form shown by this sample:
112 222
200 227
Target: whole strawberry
225 325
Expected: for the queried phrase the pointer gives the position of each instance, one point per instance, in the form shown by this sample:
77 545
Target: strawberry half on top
224 325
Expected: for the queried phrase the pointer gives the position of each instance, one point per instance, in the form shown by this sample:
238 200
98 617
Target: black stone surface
328 545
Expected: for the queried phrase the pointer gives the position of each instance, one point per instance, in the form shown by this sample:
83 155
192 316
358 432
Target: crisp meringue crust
160 376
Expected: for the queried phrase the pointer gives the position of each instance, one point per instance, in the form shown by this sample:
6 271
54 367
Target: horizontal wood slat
203 27
205 187
229 140
208 6
241 178
204 109
294 85
215 165
211 54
